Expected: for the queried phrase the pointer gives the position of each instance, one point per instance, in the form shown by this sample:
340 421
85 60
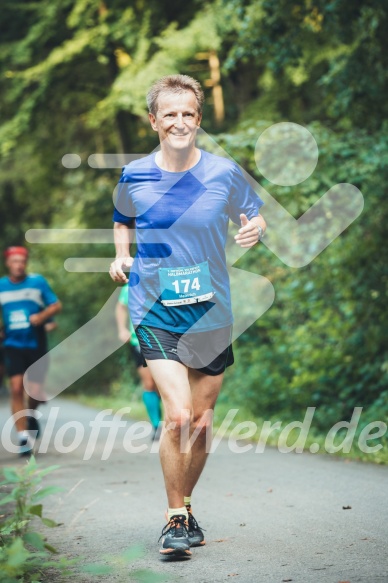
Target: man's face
17 265
177 119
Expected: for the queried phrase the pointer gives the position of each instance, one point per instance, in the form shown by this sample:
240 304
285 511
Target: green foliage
320 344
26 493
25 554
316 60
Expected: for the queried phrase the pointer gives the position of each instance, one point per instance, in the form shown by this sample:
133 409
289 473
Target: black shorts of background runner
208 352
17 361
137 356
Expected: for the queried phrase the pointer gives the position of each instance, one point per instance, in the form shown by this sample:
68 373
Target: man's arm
123 237
249 233
50 326
121 313
40 318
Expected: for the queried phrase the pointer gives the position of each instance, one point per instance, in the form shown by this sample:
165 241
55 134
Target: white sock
23 435
174 511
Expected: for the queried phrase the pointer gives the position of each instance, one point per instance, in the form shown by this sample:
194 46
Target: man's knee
178 420
202 423
35 391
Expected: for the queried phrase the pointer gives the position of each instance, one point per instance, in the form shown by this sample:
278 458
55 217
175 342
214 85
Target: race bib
185 285
19 319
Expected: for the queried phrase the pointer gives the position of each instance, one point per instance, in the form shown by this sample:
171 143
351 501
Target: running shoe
33 425
25 449
175 537
196 536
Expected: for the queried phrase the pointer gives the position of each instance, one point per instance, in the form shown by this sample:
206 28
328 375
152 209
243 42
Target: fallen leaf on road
243 524
343 581
269 490
220 540
346 507
232 574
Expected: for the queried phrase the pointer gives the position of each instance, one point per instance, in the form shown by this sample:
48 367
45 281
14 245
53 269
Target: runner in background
126 332
28 303
48 327
2 368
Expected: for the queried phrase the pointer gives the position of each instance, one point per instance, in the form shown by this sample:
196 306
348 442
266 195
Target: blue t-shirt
19 301
181 221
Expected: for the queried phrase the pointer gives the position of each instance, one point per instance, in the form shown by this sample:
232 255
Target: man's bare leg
147 381
36 394
171 378
17 401
204 390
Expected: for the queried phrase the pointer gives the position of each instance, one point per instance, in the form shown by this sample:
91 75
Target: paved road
269 517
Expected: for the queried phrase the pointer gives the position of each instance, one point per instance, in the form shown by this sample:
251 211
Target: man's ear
199 119
152 119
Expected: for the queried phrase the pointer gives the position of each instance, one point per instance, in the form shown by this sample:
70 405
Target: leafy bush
24 553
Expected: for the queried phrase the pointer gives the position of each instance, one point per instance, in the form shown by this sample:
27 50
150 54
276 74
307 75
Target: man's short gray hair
174 84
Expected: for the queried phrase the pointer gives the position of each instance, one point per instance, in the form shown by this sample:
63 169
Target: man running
2 368
179 200
27 303
151 397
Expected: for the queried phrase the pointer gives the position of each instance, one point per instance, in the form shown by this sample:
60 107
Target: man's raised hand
248 234
116 268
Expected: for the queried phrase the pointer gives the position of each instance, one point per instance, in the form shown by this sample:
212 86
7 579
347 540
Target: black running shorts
208 352
17 361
